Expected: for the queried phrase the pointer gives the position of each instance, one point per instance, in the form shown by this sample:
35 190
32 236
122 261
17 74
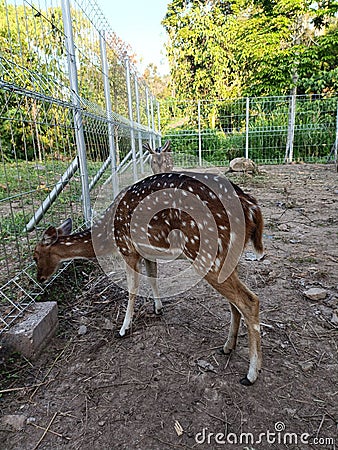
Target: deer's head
47 255
161 158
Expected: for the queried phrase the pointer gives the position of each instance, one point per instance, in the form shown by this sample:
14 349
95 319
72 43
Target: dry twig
46 431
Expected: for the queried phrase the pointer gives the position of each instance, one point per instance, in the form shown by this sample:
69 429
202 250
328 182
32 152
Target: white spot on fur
233 236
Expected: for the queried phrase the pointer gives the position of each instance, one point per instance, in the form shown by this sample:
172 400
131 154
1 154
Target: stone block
32 333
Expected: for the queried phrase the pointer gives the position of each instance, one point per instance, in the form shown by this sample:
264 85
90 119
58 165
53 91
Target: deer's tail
257 232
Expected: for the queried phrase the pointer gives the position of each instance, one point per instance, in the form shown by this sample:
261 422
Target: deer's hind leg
233 330
247 303
151 269
133 280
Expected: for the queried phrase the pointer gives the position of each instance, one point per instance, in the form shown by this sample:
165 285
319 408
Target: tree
221 49
200 50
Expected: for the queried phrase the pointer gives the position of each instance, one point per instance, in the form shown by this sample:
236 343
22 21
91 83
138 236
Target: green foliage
217 147
251 48
159 85
35 99
12 225
268 125
198 52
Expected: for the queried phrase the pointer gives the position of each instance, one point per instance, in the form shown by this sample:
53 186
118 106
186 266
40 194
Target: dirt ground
166 386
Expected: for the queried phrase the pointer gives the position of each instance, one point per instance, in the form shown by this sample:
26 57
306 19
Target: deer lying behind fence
202 217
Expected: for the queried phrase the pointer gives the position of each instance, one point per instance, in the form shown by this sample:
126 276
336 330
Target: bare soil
166 385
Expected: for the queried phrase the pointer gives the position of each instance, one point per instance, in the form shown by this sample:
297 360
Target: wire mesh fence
73 111
265 129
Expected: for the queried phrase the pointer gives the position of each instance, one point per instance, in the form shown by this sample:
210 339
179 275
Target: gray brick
32 333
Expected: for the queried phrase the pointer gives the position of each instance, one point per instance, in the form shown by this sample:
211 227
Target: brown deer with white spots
202 217
161 158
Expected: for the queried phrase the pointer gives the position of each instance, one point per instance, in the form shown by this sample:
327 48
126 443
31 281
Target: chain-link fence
74 114
265 129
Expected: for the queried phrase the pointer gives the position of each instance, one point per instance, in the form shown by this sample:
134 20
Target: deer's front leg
133 278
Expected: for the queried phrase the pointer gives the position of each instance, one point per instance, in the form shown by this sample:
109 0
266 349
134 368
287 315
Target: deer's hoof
246 382
158 312
228 350
118 335
221 351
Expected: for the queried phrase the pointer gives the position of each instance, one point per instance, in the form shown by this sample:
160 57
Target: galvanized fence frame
74 115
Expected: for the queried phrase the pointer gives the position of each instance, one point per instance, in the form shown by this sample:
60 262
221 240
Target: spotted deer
202 217
161 158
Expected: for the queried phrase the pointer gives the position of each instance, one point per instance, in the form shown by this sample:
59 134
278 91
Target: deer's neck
78 245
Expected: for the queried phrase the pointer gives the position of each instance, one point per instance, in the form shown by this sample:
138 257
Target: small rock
31 420
108 325
102 423
324 311
307 366
315 293
16 421
272 275
291 412
283 227
82 330
334 318
243 165
205 365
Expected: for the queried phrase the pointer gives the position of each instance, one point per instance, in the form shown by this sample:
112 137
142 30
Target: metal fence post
158 122
138 115
291 130
77 111
148 110
247 116
199 133
152 121
130 110
110 121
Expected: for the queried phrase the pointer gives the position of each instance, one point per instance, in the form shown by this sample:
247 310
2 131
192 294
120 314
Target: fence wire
265 129
61 130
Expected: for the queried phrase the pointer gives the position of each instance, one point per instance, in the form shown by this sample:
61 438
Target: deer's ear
166 147
66 228
50 236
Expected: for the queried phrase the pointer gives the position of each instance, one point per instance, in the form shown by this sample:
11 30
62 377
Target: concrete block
32 333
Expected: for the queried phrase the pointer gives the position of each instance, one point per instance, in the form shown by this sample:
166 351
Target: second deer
161 158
